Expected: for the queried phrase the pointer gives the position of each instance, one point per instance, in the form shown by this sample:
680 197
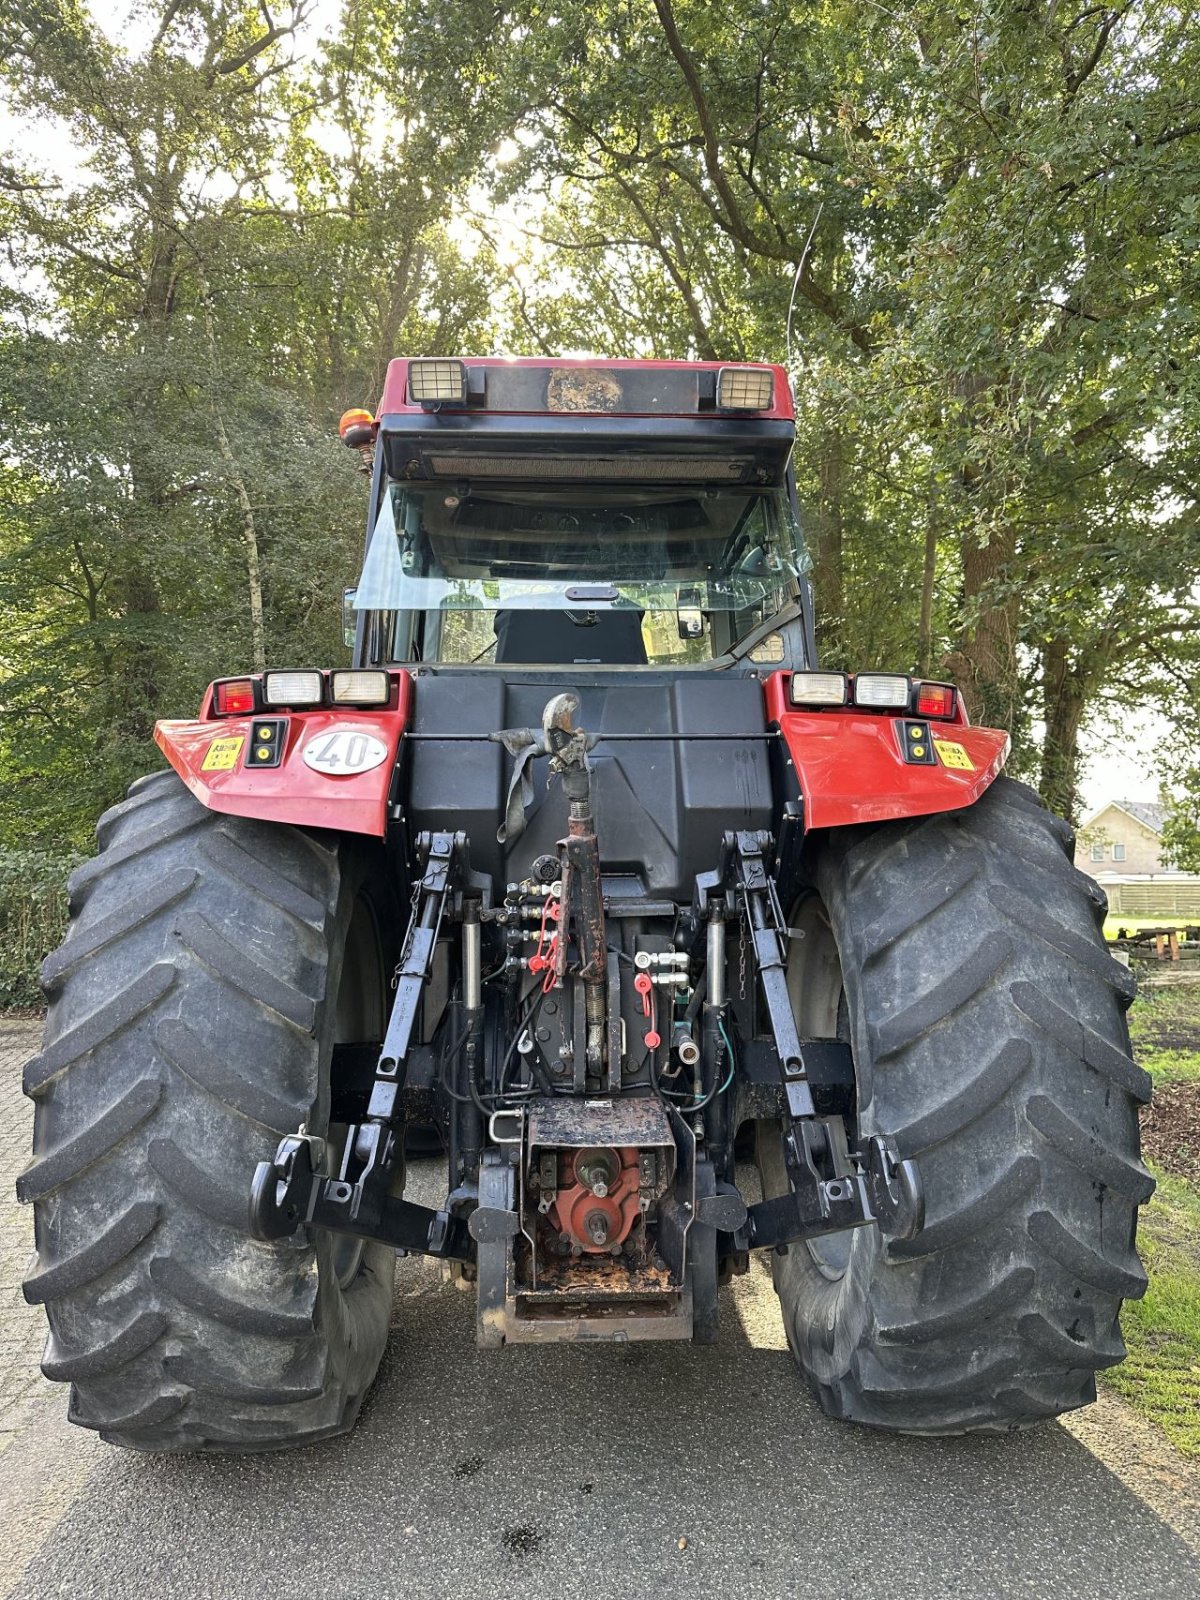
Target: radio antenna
796 281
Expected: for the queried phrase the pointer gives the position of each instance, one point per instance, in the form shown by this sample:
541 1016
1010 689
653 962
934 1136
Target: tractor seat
611 638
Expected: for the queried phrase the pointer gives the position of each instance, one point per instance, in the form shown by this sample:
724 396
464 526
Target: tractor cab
617 516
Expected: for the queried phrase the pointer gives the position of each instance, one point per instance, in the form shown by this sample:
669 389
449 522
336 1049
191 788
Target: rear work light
293 688
819 688
359 688
437 383
936 700
234 697
745 389
882 689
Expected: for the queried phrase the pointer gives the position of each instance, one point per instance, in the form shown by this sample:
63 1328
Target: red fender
291 792
849 766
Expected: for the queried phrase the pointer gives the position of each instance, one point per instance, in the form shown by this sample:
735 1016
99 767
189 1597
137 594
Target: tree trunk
828 526
258 642
985 663
1064 699
928 575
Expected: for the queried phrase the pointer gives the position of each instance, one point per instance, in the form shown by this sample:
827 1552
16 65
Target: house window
1097 852
1118 852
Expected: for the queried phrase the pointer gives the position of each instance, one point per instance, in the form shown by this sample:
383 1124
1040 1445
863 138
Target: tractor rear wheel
962 957
210 965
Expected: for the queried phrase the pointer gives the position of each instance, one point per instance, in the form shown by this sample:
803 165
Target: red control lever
645 988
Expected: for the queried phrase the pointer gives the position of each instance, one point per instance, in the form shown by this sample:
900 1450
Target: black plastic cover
661 804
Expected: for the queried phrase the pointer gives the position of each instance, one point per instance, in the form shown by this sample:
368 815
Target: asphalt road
596 1472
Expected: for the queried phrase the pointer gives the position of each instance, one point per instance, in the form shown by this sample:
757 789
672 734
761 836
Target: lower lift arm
293 1189
831 1185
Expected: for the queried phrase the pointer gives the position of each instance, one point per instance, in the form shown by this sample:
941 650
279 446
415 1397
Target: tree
987 222
210 289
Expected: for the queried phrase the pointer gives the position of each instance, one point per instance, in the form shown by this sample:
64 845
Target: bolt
597 1228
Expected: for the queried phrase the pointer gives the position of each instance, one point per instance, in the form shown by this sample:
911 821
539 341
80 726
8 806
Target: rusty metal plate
574 1123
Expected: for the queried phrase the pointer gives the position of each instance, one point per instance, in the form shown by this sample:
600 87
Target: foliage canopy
981 226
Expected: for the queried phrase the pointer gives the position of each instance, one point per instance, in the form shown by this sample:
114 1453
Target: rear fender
849 765
211 755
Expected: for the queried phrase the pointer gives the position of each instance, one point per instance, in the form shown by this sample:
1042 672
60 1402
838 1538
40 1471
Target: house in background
1120 845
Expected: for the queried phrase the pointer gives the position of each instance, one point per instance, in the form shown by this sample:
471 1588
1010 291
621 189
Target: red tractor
680 945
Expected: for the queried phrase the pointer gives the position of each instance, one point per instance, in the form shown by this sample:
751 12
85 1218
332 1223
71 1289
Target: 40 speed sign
342 752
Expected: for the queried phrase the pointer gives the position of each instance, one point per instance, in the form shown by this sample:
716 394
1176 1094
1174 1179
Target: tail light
936 700
882 690
234 697
356 687
293 688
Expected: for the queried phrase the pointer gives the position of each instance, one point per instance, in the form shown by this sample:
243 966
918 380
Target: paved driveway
595 1473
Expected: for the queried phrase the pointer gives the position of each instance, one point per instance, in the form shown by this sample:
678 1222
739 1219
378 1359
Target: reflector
293 689
818 688
437 382
360 688
234 697
745 389
881 689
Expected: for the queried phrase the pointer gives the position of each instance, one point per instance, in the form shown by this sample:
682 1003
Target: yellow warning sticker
953 755
222 754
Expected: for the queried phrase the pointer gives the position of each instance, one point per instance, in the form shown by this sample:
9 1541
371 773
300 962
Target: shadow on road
578 1471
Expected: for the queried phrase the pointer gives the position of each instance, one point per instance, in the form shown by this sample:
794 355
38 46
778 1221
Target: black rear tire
209 967
988 1026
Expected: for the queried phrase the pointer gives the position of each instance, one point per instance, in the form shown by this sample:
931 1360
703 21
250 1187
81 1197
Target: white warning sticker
343 752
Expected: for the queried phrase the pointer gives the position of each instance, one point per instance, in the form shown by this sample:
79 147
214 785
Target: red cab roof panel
536 385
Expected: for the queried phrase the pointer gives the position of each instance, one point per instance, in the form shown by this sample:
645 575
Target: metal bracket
831 1188
288 1193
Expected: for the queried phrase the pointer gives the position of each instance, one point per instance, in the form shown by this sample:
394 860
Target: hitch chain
832 1186
294 1189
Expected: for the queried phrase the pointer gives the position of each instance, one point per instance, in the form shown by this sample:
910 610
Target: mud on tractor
681 946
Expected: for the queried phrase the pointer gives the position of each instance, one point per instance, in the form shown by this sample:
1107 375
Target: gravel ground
1171 1129
640 1471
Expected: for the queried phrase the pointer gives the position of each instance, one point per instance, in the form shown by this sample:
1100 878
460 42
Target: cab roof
589 386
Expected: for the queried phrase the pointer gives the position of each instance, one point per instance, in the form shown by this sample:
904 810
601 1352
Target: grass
1161 1375
1164 1025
